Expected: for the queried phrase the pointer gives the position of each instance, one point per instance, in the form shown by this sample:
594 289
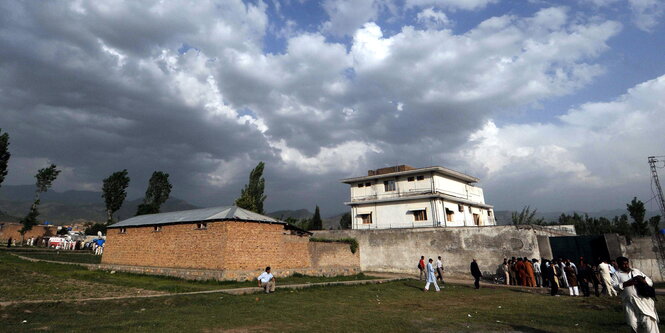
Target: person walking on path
439 270
640 310
506 270
571 276
430 277
475 272
421 267
604 270
267 281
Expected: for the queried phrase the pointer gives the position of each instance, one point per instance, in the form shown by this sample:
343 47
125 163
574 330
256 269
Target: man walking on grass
421 267
430 276
267 281
604 269
640 309
439 270
475 272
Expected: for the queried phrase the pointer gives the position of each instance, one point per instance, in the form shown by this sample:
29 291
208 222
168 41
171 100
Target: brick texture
8 230
228 250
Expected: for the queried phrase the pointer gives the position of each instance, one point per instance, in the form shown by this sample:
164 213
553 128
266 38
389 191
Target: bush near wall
353 243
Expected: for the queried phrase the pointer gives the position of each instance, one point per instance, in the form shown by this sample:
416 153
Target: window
460 208
410 179
389 185
421 178
360 185
202 226
450 215
123 230
368 184
420 215
157 228
366 218
476 219
489 213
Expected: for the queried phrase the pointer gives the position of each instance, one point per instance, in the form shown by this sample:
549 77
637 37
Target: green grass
65 256
17 278
389 307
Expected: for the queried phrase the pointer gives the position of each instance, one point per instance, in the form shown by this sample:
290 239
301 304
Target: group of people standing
560 273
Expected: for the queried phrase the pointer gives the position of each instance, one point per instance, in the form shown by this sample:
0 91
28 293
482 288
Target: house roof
436 169
226 213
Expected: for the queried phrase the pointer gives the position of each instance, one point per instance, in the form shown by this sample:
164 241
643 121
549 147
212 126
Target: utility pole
658 238
654 176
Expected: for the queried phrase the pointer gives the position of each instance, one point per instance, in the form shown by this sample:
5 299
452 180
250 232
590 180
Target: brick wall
221 246
8 230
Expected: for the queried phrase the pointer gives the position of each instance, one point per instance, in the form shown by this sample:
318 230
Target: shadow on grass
522 328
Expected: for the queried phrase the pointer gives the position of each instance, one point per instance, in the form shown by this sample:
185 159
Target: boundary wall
398 250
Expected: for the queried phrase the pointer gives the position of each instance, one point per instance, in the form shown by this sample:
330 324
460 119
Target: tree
526 216
45 178
654 222
157 193
251 197
317 223
345 221
114 192
637 211
4 155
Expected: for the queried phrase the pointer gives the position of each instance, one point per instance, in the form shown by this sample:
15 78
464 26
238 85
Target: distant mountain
70 206
328 222
296 214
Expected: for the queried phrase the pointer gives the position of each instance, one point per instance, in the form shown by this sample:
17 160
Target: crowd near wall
398 250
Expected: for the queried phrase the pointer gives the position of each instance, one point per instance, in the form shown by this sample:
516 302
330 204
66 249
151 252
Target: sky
552 104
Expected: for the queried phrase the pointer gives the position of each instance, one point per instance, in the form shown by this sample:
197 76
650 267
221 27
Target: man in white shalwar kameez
640 311
604 269
430 276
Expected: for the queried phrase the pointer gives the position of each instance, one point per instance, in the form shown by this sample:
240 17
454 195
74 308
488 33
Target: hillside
70 206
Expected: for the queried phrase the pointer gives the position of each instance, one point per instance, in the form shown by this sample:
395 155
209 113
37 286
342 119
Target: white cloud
348 15
451 4
647 13
602 145
433 19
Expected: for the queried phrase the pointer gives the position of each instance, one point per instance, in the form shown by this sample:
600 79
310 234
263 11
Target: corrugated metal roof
197 215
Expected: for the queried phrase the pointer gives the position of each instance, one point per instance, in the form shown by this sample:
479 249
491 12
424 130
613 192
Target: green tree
252 197
93 229
316 223
622 226
4 155
157 193
654 222
526 216
45 178
345 221
637 211
114 192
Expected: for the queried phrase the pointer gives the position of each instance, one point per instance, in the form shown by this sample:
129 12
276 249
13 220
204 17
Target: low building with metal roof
232 240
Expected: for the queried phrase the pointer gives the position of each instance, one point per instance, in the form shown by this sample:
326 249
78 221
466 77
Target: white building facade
406 197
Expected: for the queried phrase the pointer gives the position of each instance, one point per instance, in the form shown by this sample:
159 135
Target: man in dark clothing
554 277
543 270
584 277
475 272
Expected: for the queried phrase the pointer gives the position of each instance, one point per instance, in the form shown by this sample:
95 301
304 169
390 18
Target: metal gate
573 247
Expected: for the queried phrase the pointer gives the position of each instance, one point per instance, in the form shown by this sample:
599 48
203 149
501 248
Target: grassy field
65 256
389 307
21 279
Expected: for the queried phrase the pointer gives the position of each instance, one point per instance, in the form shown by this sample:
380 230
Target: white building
406 197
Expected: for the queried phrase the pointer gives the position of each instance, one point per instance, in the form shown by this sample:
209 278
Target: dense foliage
114 192
252 197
